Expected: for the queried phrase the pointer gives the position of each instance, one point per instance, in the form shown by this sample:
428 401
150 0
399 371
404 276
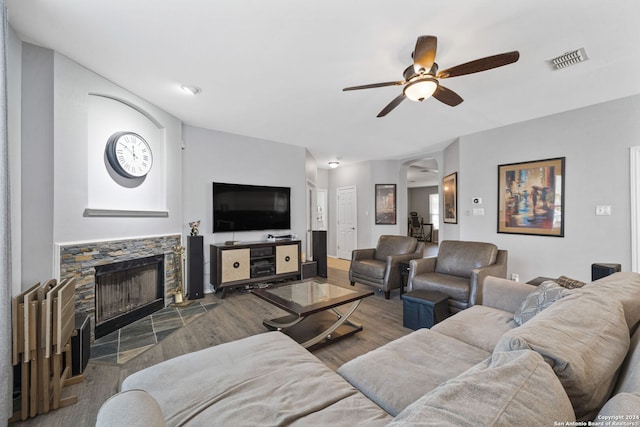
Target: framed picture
385 204
450 193
531 197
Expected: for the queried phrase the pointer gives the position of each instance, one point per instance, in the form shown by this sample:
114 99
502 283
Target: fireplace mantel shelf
88 212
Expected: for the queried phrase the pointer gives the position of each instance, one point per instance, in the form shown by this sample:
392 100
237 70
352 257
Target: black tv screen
239 207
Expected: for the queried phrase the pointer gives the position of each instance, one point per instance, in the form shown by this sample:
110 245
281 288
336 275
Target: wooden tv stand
244 263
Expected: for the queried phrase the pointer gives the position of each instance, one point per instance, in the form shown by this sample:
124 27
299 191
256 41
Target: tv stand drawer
236 265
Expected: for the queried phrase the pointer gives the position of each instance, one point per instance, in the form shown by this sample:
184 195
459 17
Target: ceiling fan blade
373 85
390 106
424 54
447 96
482 64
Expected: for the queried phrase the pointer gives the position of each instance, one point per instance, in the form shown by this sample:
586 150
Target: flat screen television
240 207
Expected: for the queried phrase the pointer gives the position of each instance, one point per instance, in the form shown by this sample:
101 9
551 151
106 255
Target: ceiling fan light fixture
420 89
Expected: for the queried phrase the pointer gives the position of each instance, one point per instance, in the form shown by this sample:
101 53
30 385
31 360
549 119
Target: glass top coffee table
314 320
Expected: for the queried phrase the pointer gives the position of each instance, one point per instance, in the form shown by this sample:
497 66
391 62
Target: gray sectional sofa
579 358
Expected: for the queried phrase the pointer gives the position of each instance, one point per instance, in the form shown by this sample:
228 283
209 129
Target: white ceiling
275 69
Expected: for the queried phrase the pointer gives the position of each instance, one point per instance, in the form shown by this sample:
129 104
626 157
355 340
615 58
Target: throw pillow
544 295
569 283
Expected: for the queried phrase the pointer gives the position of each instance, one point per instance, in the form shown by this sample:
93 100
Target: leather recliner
458 271
380 266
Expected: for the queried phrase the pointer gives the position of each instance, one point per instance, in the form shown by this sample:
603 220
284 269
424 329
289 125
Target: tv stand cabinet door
236 264
287 259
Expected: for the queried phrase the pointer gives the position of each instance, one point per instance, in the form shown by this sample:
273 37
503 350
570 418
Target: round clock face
129 154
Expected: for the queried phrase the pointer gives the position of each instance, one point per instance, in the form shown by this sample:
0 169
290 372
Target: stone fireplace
150 259
127 291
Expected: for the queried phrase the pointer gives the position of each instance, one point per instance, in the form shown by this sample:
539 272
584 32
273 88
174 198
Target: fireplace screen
127 291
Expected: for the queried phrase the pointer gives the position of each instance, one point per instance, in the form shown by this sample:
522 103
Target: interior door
346 218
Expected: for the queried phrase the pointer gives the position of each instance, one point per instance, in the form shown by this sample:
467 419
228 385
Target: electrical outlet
515 277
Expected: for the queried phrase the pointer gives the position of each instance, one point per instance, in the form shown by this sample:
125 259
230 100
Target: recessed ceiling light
333 165
191 90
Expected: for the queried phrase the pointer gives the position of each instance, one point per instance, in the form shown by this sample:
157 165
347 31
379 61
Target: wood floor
237 316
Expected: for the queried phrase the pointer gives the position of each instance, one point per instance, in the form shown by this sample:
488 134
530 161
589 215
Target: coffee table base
318 329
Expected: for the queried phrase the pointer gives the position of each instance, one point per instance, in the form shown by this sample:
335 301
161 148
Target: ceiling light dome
420 89
191 90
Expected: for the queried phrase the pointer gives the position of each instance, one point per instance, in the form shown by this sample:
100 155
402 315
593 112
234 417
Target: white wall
56 166
74 85
595 141
217 156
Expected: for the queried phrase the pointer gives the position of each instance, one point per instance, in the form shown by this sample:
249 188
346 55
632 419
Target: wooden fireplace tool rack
43 322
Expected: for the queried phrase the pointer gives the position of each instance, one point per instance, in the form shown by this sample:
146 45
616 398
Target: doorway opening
423 199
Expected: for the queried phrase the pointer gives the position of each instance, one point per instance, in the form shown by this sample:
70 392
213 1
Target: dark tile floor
128 342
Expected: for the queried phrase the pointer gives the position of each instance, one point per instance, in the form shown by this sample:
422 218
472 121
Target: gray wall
37 151
451 162
14 114
595 141
419 200
357 175
217 156
364 176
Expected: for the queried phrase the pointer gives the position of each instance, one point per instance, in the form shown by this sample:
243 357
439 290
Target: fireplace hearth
127 291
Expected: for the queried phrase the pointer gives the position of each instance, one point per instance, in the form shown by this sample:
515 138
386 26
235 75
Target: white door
347 237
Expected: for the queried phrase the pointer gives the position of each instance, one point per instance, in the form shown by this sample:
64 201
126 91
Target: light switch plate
602 210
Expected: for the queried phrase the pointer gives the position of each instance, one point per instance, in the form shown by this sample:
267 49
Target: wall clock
129 154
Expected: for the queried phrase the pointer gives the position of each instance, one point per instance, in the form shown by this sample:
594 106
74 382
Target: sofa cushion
265 379
623 287
621 405
459 258
394 245
479 326
136 407
369 268
455 287
541 297
507 389
419 362
629 377
584 339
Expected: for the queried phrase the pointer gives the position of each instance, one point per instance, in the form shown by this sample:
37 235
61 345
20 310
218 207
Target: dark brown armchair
380 266
458 271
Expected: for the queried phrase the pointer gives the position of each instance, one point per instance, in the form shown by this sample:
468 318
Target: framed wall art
450 193
385 204
531 197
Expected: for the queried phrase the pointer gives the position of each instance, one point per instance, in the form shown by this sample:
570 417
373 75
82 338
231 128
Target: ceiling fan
422 79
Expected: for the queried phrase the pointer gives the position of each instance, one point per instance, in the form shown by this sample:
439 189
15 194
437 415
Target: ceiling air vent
569 58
